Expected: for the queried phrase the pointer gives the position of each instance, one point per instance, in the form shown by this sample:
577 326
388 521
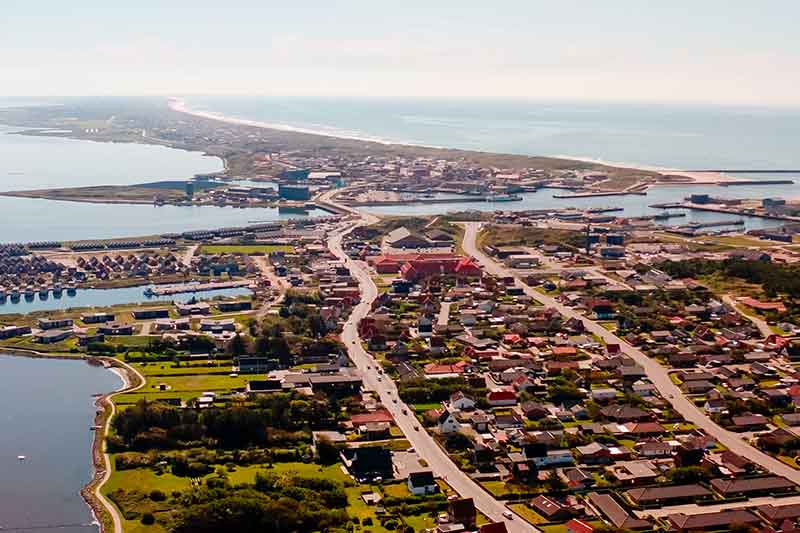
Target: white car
507 515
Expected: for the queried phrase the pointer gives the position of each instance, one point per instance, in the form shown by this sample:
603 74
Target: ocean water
675 136
687 137
47 413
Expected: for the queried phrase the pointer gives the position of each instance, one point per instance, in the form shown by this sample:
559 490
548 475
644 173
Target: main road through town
424 445
655 372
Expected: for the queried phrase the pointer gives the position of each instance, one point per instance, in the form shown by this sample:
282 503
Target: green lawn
245 249
527 513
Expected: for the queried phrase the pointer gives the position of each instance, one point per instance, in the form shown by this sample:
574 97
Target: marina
30 301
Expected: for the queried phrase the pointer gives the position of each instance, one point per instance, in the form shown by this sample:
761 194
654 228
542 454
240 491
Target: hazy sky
724 51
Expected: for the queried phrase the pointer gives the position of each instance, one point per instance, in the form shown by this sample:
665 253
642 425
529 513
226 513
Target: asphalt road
423 443
655 372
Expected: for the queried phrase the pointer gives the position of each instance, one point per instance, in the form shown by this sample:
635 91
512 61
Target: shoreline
693 178
100 508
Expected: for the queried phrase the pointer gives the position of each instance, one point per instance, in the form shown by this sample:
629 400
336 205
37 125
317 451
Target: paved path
116 518
444 314
760 323
655 372
425 446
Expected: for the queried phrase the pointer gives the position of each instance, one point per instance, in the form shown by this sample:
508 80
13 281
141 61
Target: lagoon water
47 412
36 162
32 219
108 297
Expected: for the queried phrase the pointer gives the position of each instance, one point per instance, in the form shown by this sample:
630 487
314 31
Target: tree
555 483
238 346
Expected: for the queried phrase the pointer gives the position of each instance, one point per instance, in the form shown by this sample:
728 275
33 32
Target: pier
599 193
195 287
728 211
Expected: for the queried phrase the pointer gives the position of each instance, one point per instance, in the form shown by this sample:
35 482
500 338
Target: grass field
245 249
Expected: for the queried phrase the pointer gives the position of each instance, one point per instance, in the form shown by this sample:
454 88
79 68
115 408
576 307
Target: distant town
558 369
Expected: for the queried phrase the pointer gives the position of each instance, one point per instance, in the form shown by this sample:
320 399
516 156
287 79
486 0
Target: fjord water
31 162
47 413
37 162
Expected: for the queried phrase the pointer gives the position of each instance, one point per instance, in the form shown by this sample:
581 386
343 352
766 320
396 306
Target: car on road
405 411
416 428
394 400
507 515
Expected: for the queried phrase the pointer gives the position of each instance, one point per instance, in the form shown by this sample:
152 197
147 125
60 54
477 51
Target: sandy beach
697 178
693 178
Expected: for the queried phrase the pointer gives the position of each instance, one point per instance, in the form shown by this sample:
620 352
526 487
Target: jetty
195 287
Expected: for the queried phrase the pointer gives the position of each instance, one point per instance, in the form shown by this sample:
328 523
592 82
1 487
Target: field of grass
245 249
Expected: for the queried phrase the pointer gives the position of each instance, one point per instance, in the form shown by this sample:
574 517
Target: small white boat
21 457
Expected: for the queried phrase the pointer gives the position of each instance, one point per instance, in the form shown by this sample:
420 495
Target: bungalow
578 526
97 318
422 483
8 332
760 485
670 495
680 522
501 398
749 422
594 453
217 326
55 323
232 307
604 394
611 510
550 509
51 336
116 328
150 314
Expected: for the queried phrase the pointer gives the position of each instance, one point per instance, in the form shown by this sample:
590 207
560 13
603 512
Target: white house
604 394
461 402
448 423
422 483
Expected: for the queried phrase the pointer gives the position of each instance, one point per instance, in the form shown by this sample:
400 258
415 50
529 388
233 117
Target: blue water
46 416
673 136
107 297
41 162
676 136
32 162
31 219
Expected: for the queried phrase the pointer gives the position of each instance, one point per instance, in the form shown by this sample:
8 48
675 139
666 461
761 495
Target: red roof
499 395
579 526
381 415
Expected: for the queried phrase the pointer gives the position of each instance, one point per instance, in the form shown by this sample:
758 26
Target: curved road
425 446
655 372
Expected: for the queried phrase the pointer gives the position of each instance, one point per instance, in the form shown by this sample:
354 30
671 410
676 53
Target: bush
157 496
148 519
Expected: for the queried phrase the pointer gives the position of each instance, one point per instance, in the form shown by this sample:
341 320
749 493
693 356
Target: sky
713 51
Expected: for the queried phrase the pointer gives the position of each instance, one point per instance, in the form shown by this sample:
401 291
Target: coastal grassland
512 235
245 249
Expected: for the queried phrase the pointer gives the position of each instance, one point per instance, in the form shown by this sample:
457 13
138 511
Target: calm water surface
47 412
108 297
